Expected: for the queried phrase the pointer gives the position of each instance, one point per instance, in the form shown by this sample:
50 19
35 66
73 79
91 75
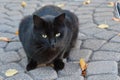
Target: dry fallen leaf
23 4
61 5
84 73
4 39
11 72
103 26
111 4
16 32
83 64
87 2
118 34
116 19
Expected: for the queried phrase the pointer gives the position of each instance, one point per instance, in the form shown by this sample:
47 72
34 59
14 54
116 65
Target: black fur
60 27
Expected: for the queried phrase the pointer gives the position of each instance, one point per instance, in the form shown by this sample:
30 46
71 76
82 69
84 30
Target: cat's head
50 30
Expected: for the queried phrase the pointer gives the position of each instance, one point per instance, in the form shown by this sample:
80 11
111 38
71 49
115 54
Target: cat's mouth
53 49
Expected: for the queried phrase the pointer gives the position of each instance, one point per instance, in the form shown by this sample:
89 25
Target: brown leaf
83 66
4 39
84 73
116 19
11 72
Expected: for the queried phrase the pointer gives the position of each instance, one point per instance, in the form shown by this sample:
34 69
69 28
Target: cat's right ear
38 21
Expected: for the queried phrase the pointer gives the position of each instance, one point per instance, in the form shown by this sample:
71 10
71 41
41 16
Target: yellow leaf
16 32
4 39
83 64
61 5
87 2
116 19
111 4
23 4
11 72
103 26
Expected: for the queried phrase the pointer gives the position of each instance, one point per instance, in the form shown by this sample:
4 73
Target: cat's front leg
58 64
31 64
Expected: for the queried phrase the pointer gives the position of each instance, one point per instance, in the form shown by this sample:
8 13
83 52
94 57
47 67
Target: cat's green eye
57 35
44 35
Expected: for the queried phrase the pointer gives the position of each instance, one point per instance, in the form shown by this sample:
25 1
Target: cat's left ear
38 21
60 18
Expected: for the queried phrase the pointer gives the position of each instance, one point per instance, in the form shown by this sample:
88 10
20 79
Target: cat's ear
38 21
60 18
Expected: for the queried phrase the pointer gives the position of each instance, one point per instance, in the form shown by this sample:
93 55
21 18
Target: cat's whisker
38 51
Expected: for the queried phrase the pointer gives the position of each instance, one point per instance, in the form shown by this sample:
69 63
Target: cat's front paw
58 64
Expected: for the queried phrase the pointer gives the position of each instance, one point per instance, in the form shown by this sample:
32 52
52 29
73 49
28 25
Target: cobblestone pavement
99 47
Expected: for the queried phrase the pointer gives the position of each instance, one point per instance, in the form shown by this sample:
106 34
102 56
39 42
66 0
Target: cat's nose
53 46
52 43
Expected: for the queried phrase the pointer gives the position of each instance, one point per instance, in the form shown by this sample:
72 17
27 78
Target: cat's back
25 26
49 10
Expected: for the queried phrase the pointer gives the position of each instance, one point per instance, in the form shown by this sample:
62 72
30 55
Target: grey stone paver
74 77
3 44
87 25
115 39
93 44
106 55
91 31
6 28
23 62
78 44
70 69
14 6
8 35
15 46
43 73
21 52
115 27
104 77
13 13
11 57
1 50
99 47
103 14
76 54
110 46
21 76
106 35
82 36
102 67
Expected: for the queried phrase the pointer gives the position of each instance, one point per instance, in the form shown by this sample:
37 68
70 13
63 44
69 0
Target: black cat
48 35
